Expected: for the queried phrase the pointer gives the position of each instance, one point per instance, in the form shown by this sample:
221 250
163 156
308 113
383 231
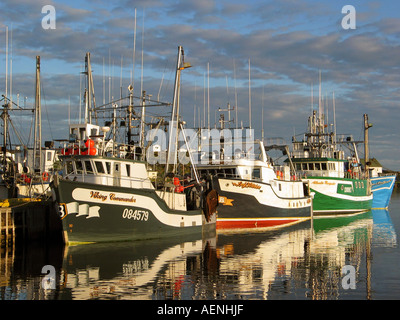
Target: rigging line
19 125
45 107
16 132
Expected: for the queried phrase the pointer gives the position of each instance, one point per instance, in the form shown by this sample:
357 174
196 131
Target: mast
174 127
90 91
142 122
4 115
130 88
366 144
38 121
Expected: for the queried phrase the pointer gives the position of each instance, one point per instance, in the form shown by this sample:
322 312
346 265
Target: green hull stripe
324 203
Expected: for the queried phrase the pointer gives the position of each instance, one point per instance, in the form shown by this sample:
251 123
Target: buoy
45 176
92 151
89 143
176 181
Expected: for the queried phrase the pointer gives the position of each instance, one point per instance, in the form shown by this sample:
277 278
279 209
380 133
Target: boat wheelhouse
252 194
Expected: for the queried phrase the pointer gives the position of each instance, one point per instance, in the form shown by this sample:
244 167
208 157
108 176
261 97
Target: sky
283 45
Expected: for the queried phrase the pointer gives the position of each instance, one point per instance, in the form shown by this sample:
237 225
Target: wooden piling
7 227
30 221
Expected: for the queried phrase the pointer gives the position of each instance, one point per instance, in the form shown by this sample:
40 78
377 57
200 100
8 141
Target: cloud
287 43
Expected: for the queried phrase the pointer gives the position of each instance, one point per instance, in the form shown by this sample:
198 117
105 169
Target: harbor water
342 258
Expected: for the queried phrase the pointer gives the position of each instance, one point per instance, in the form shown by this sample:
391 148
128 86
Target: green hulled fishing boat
339 183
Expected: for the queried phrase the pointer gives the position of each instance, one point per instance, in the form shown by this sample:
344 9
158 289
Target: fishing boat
382 189
382 184
254 195
26 171
339 183
105 194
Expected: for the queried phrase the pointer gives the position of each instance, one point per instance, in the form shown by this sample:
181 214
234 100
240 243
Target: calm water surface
303 262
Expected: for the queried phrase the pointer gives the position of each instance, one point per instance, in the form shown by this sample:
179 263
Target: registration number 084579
141 215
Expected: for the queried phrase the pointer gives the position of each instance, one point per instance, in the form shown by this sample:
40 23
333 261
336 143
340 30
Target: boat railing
227 175
112 179
33 177
283 173
91 147
345 175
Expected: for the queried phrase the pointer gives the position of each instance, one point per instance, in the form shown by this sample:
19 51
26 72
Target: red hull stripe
253 223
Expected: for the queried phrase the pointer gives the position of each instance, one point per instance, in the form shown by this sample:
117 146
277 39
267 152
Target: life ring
45 176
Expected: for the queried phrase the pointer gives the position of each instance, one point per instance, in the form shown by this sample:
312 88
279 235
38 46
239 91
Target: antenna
134 51
204 100
6 60
208 93
11 61
334 115
262 116
236 102
141 81
249 100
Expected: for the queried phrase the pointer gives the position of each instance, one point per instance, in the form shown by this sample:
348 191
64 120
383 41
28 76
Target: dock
25 221
7 227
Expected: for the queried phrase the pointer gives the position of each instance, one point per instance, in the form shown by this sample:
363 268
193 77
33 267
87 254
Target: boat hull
97 213
382 188
255 205
339 196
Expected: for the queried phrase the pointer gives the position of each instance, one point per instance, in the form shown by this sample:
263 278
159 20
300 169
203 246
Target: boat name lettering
114 198
98 195
142 215
111 197
246 185
323 182
380 183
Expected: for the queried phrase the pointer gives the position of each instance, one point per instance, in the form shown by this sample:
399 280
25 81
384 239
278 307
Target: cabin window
99 167
256 173
311 166
304 166
93 132
88 167
49 155
69 168
82 135
317 166
79 167
323 166
108 167
116 167
128 170
298 166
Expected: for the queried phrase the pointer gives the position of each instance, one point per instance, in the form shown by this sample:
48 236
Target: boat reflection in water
384 234
303 261
128 270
